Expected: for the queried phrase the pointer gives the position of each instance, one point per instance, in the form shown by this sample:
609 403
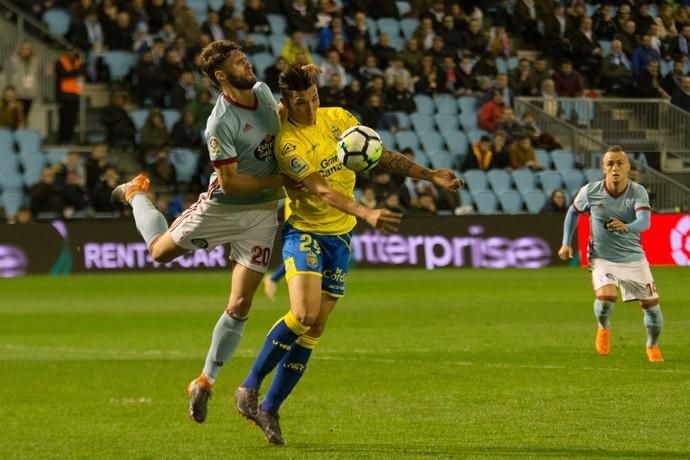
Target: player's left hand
446 179
616 225
312 68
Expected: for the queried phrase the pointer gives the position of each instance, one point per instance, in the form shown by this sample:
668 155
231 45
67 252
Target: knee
239 306
307 318
159 255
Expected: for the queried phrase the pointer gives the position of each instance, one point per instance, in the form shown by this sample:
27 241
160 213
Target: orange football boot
654 354
123 193
603 341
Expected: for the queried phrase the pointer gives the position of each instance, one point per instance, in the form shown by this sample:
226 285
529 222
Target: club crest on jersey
214 147
336 132
298 165
199 243
287 148
247 127
264 151
312 260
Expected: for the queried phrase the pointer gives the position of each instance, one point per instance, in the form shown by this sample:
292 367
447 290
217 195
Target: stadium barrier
427 242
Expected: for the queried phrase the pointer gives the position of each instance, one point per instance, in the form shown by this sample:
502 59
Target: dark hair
294 78
213 56
615 148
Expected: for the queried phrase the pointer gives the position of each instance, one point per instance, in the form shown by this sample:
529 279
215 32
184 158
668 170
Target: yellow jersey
304 150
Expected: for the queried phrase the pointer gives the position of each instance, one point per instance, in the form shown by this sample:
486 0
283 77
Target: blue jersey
241 134
603 206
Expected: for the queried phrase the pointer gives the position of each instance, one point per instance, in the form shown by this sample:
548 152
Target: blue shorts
327 256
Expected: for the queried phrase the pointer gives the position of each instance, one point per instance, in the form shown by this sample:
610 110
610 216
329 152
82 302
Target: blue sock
150 222
602 310
279 274
279 341
289 372
653 321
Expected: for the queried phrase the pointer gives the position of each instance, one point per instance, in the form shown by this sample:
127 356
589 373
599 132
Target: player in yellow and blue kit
316 239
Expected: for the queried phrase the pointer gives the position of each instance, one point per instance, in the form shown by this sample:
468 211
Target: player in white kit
239 207
619 212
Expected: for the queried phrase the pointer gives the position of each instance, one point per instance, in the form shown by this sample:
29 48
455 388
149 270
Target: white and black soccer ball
360 148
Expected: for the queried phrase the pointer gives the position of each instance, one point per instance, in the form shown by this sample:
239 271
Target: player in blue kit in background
619 211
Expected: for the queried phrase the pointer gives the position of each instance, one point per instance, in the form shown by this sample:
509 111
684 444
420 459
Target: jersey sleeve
220 142
641 199
293 159
581 201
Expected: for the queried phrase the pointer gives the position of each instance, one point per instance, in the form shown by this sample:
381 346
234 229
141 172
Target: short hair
295 78
213 56
615 149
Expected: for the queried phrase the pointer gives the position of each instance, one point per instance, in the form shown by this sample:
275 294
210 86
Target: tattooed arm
398 164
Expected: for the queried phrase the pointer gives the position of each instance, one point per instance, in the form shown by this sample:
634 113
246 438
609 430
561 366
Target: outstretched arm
232 182
569 226
641 223
398 164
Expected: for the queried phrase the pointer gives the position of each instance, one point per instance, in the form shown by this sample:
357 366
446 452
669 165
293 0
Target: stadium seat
403 7
171 116
466 198
563 160
446 123
277 43
431 141
485 202
469 122
476 181
32 163
550 181
261 61
594 174
456 141
408 26
389 26
28 140
543 158
12 201
501 65
398 43
513 63
534 201
524 179
56 156
441 159
475 134
278 24
259 39
468 105
421 158
373 29
199 8
119 63
6 141
57 20
405 139
446 104
422 123
387 138
584 111
9 164
139 117
216 5
573 180
11 182
500 180
425 105
186 163
511 201
605 47
403 120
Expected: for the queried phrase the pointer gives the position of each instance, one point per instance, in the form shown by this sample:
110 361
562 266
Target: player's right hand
290 183
566 252
384 220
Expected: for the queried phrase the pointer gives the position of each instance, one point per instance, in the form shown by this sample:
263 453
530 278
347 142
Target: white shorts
633 278
250 230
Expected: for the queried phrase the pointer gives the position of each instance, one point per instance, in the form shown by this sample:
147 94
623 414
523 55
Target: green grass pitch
414 364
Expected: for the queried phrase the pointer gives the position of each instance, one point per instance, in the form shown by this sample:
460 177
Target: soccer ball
360 148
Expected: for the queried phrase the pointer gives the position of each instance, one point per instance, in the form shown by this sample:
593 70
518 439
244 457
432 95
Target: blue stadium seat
584 110
9 164
563 160
277 43
171 116
446 122
216 5
469 122
388 139
33 163
425 105
398 43
199 8
534 201
389 26
56 156
550 181
524 179
261 61
665 68
11 182
605 47
475 180
573 180
403 120
466 198
457 142
446 104
594 174
543 158
441 159
500 180
259 39
278 24
408 27
475 134
513 63
403 7
511 201
139 117
468 105
373 29
12 201
405 139
120 63
57 20
501 65
421 158
485 202
186 163
28 140
6 141
422 123
431 141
